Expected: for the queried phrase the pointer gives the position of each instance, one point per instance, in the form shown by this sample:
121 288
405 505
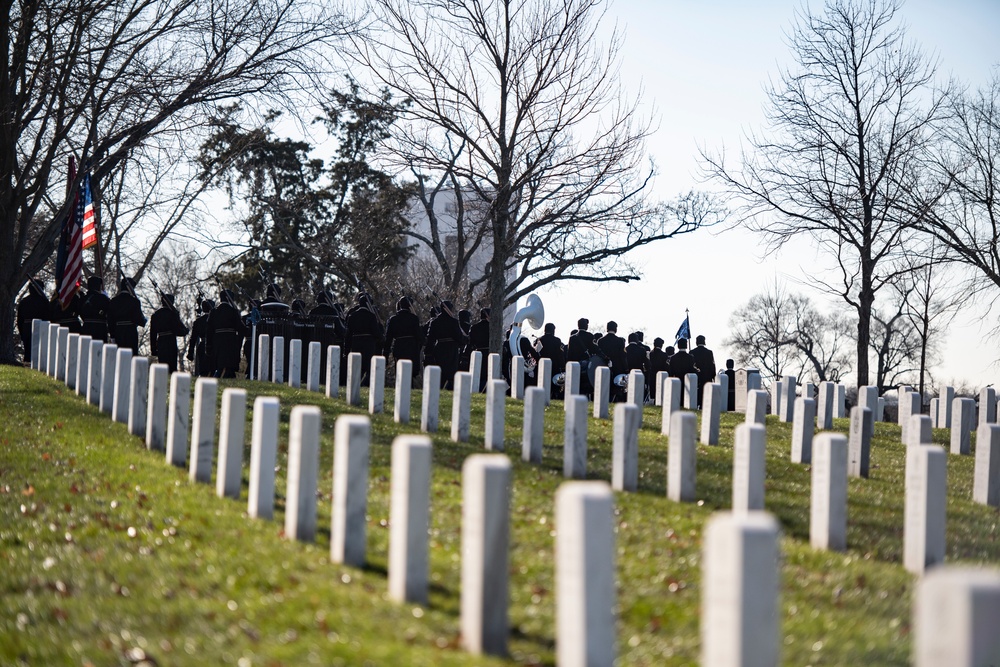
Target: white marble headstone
485 530
263 453
430 399
232 424
303 464
585 574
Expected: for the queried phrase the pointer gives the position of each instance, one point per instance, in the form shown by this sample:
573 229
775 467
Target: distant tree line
890 173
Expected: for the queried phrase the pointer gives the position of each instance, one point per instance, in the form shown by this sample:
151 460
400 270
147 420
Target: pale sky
703 66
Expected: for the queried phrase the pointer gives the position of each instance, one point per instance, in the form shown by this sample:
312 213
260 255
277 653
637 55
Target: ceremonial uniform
658 361
197 343
404 336
479 339
444 339
364 334
704 362
164 327
682 363
125 316
69 316
95 309
33 306
613 347
328 328
225 332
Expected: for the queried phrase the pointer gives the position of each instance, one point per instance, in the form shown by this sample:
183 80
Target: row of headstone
740 560
954 615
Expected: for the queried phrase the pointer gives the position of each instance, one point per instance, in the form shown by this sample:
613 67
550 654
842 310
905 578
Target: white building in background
423 267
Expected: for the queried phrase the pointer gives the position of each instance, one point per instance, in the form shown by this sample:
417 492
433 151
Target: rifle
163 294
128 284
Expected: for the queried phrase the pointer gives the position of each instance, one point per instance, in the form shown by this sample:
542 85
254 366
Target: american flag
69 260
88 217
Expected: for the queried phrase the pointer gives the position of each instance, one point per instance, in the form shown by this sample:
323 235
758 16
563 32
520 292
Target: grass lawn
110 554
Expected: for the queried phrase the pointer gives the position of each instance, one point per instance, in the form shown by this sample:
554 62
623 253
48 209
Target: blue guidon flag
684 331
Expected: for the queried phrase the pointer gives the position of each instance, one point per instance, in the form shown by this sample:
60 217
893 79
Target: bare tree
179 271
932 302
849 128
894 343
548 140
99 78
783 333
964 217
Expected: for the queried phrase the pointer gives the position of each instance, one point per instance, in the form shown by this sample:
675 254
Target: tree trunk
8 323
864 338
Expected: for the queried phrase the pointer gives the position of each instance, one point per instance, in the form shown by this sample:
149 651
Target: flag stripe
72 273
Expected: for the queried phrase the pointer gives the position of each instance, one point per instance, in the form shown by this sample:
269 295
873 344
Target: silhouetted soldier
479 340
613 347
635 356
325 321
682 363
364 333
731 374
404 336
272 304
704 362
198 343
125 316
164 327
33 306
550 347
582 349
95 309
428 352
69 316
444 339
658 361
225 332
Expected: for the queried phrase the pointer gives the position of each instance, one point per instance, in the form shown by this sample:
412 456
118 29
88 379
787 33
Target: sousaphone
534 314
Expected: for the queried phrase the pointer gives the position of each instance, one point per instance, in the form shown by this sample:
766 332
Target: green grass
107 550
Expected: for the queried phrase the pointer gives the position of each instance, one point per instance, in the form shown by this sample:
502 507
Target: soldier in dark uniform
582 348
404 336
428 353
69 316
479 340
125 316
94 310
444 339
197 344
731 374
613 347
164 327
326 322
658 361
635 355
272 303
249 318
681 363
704 362
550 347
33 306
225 332
364 333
